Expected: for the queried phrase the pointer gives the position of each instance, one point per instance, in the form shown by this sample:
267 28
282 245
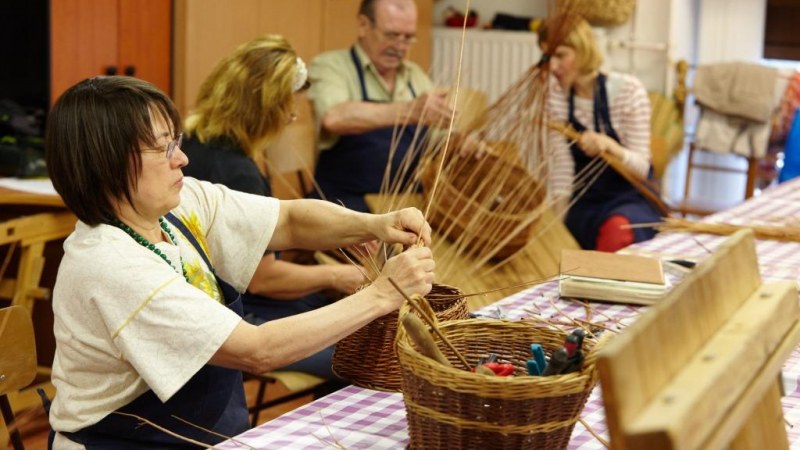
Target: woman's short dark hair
94 134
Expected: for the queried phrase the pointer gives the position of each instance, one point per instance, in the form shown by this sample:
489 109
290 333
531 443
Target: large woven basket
489 205
367 357
449 407
607 12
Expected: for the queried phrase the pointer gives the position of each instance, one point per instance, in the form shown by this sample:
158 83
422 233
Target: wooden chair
716 163
17 364
290 158
22 240
667 140
299 385
29 234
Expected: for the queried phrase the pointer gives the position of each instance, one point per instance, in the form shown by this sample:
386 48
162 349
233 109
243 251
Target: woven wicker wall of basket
448 407
487 206
608 12
367 357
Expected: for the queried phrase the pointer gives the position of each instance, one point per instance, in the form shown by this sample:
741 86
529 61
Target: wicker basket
483 202
449 407
608 12
367 357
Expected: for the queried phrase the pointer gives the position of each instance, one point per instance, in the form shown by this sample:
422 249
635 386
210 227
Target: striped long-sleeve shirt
630 116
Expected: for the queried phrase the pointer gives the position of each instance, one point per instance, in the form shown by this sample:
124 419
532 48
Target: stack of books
611 277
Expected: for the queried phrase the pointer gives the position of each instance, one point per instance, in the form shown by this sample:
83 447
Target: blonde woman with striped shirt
612 111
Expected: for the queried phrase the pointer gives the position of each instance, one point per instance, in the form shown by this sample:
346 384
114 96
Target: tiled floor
35 428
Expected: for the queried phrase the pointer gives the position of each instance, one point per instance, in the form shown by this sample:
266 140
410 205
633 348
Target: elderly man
361 93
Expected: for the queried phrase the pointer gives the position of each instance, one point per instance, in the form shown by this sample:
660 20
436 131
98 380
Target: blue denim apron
212 399
610 194
355 165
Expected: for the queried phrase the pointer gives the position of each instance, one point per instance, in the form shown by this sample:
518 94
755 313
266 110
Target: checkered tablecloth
356 418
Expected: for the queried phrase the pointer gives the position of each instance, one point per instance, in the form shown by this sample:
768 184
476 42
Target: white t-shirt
126 322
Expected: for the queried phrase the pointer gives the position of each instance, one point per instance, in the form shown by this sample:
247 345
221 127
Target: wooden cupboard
106 37
208 30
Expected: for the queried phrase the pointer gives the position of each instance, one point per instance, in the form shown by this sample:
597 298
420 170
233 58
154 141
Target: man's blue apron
212 399
355 165
610 194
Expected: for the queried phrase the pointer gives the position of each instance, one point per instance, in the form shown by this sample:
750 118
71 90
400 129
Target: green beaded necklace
150 246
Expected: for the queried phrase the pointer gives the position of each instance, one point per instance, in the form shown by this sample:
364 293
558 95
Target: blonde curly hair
249 96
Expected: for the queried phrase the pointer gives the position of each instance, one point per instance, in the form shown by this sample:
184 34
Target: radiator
493 59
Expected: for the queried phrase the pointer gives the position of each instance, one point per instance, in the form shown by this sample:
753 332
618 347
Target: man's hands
432 109
405 227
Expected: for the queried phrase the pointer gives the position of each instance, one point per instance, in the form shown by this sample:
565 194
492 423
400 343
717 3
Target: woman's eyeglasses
169 149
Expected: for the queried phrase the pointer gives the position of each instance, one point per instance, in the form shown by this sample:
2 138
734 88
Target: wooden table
15 197
361 418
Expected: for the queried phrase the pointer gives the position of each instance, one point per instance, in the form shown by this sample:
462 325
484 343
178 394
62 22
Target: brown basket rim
519 388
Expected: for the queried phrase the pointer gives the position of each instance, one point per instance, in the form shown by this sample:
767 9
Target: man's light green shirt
334 80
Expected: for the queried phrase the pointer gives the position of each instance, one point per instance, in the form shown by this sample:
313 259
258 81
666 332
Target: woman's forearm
285 280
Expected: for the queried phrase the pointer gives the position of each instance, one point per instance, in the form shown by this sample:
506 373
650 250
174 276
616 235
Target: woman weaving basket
224 137
147 307
612 113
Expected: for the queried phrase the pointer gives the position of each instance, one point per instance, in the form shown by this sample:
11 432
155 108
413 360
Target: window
781 39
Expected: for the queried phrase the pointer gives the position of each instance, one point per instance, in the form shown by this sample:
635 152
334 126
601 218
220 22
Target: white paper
32 185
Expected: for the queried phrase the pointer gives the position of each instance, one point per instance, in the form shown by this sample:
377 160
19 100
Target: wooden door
205 32
298 21
145 41
101 37
339 25
83 41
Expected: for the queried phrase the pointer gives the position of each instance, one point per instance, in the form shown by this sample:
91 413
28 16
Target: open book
611 277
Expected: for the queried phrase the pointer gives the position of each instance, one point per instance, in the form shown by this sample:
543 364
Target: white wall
731 30
640 46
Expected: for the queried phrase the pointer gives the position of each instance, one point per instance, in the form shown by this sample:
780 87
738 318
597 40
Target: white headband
300 75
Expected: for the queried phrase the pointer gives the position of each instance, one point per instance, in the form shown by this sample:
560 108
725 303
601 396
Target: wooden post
698 370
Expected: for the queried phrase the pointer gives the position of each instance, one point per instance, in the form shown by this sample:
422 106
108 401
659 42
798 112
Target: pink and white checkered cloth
357 418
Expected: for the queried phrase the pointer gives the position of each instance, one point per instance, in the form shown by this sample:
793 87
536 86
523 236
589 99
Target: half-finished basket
367 357
488 206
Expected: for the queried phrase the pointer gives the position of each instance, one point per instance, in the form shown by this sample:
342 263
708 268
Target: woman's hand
405 227
412 270
594 143
347 278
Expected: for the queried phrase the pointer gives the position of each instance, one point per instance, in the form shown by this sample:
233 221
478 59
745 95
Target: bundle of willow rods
778 233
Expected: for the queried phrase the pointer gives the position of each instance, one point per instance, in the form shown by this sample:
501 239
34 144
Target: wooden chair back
17 365
291 158
27 236
17 349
